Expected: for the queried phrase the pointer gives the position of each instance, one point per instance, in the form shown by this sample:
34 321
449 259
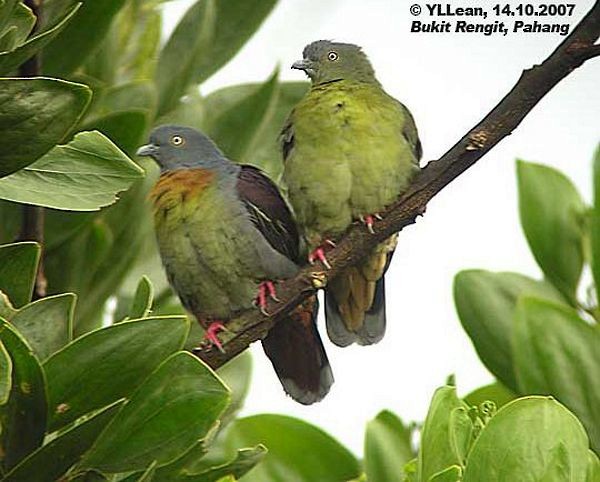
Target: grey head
326 61
178 147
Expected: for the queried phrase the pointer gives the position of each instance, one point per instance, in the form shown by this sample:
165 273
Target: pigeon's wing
268 211
293 345
410 133
286 138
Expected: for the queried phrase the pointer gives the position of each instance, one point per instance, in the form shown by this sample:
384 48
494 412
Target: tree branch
32 224
532 86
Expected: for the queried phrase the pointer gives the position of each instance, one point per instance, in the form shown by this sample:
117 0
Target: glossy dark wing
286 138
268 211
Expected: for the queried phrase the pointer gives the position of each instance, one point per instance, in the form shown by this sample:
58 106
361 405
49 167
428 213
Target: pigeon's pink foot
369 220
211 337
318 254
265 289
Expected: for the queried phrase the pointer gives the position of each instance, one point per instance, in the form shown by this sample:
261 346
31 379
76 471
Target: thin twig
532 86
32 224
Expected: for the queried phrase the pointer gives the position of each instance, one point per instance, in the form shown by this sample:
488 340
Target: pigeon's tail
296 351
355 300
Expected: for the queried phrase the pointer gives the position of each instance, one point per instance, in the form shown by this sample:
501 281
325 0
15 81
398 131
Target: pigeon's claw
369 220
265 289
318 254
211 337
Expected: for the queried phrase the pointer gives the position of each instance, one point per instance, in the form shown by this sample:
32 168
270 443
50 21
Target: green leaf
593 468
552 216
89 476
462 432
595 224
83 175
10 221
94 263
72 265
132 96
36 115
71 48
6 307
297 451
495 392
108 364
18 268
451 474
58 455
188 111
485 303
142 301
236 128
8 41
387 447
140 26
11 60
122 113
179 60
173 408
206 38
61 228
410 471
5 375
236 21
245 460
438 437
557 353
186 464
266 148
266 143
237 375
148 474
21 24
47 324
7 9
125 129
23 417
529 439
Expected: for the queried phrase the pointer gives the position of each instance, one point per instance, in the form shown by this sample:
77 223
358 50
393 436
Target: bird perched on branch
349 150
225 237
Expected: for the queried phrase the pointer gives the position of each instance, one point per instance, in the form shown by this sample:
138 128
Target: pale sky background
449 81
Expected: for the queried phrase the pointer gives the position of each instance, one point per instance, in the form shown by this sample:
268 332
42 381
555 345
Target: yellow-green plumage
349 157
350 150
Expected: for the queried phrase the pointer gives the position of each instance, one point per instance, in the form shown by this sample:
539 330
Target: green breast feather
206 259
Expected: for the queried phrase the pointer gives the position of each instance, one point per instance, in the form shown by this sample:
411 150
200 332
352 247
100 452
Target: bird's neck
337 83
221 167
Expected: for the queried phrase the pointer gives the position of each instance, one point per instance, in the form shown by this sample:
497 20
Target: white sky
449 81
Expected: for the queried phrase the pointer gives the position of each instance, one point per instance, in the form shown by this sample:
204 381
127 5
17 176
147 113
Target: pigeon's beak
149 150
307 65
303 64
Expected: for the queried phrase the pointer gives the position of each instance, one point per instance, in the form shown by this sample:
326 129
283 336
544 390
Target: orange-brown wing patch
176 186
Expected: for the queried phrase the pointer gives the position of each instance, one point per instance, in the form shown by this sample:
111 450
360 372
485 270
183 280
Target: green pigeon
225 235
349 149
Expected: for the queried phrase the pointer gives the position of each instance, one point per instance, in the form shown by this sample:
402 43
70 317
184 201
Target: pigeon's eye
177 140
332 56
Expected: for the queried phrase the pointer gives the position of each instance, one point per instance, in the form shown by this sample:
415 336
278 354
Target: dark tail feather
296 351
362 320
370 331
373 328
